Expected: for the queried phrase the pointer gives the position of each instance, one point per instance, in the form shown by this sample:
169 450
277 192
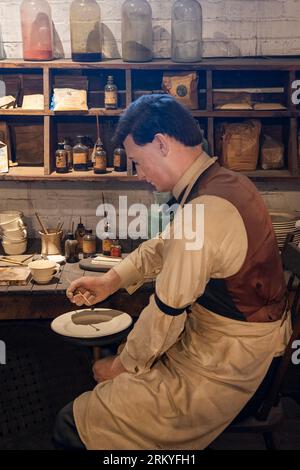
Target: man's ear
162 144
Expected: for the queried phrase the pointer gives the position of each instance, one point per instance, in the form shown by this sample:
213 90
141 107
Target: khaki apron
191 393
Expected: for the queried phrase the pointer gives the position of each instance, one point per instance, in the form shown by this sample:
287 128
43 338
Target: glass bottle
86 37
80 155
37 31
61 159
107 242
69 150
79 235
66 143
71 249
89 244
137 36
116 249
186 31
100 158
120 160
110 94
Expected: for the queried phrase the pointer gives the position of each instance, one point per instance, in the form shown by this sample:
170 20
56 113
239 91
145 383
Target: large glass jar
86 37
37 31
186 31
137 39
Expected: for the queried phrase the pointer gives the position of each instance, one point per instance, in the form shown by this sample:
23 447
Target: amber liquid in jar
80 155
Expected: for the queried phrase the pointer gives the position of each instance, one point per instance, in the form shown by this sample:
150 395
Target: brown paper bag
272 154
240 145
183 86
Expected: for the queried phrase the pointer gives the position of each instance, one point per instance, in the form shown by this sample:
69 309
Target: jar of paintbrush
50 238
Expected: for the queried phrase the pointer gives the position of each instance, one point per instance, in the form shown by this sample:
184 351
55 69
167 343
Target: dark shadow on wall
161 42
58 47
228 47
110 46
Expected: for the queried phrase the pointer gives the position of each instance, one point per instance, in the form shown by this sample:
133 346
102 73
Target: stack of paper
109 260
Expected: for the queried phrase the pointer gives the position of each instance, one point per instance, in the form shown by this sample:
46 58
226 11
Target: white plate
64 325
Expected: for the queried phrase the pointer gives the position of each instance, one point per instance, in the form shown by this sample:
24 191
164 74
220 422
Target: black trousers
65 434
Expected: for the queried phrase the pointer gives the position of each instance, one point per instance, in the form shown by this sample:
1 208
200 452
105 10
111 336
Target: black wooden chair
264 412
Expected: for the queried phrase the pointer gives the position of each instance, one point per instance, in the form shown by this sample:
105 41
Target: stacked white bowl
13 232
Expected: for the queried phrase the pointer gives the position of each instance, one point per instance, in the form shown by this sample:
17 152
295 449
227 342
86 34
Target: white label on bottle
111 97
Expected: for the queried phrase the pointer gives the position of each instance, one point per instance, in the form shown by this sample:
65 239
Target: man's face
151 165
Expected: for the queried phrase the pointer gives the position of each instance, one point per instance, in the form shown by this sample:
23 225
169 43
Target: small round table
98 343
112 332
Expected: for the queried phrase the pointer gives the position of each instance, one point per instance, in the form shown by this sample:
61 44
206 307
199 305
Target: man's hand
107 368
94 289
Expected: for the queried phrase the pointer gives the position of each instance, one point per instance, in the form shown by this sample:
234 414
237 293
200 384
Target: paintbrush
7 260
57 227
41 224
77 292
87 301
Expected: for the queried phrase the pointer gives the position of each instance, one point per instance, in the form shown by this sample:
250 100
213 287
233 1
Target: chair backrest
291 262
293 237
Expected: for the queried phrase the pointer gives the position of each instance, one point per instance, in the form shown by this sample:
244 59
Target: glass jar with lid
79 235
100 156
110 94
68 148
89 244
120 160
137 35
37 31
116 249
71 249
186 31
80 155
86 35
61 159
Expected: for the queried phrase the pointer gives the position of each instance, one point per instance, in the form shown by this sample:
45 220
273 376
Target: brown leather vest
257 293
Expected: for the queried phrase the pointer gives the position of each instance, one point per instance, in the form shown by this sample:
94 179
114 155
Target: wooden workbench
35 301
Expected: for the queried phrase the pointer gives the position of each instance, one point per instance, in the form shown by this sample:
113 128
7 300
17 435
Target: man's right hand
94 289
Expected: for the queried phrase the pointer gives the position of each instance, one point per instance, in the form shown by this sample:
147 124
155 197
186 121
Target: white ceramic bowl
7 216
43 271
15 235
12 224
14 248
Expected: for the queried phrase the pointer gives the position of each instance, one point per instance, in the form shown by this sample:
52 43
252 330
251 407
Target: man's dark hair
157 113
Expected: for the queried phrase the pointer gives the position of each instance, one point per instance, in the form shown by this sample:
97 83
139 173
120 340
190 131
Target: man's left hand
107 368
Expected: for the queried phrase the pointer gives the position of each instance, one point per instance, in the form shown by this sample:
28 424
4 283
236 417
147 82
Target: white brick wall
54 201
230 27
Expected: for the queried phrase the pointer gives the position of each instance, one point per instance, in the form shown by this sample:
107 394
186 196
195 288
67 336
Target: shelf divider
48 145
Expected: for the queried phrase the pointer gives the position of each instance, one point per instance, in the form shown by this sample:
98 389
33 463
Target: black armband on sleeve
173 312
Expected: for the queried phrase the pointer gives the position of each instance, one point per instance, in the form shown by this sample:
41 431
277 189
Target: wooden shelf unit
208 116
23 173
